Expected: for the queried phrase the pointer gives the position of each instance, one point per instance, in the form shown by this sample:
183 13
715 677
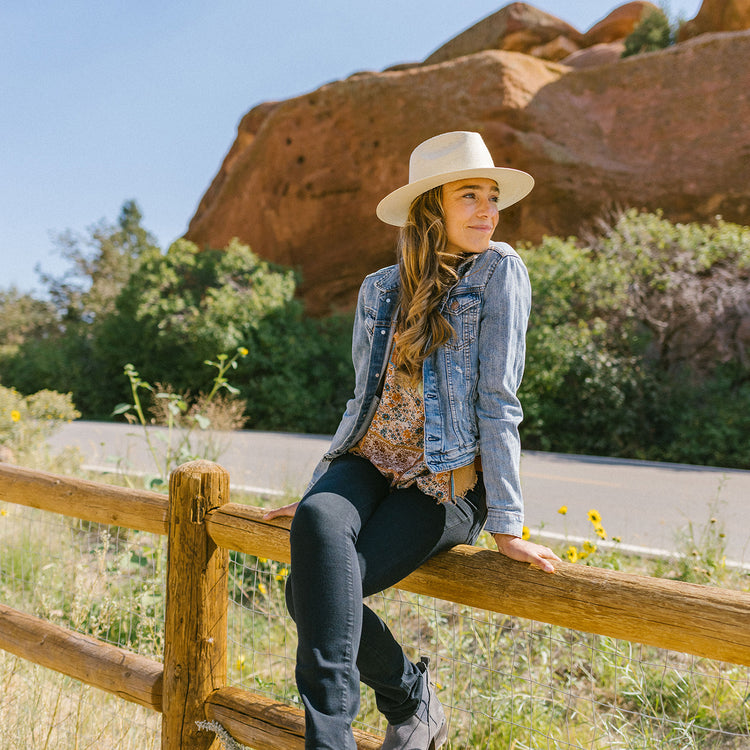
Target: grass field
506 682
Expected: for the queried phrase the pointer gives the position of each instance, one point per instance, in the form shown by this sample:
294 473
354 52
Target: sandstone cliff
667 130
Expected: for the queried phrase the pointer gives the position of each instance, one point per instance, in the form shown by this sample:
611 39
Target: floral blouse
394 443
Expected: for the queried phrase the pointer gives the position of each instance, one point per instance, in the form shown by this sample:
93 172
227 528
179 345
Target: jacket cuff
504 522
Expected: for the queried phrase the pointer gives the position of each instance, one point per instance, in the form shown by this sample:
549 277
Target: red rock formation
302 182
618 24
598 54
717 15
517 27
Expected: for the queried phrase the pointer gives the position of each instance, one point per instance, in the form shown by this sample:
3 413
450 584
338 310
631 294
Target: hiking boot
427 729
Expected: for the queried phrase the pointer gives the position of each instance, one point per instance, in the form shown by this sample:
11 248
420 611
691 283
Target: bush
61 363
26 423
182 308
298 375
654 32
637 345
638 341
178 310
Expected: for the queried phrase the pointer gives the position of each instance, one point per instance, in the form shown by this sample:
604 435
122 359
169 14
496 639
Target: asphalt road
645 504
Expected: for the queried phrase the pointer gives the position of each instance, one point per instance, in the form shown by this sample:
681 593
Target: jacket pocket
462 312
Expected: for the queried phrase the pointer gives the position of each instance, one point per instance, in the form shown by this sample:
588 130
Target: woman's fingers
520 549
285 510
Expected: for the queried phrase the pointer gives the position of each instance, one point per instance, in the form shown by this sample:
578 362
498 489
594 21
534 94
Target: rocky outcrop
301 183
598 54
618 24
717 15
518 27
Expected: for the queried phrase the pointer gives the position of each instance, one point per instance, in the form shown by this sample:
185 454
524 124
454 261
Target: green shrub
638 342
654 32
179 309
61 363
26 423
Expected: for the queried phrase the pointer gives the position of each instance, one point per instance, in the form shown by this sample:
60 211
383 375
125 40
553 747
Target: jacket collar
389 280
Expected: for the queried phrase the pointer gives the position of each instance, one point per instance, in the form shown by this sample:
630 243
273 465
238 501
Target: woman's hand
525 551
285 510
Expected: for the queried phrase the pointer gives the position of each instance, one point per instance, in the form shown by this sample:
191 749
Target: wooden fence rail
202 526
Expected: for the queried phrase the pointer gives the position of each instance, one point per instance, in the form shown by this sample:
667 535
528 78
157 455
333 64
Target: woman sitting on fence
438 350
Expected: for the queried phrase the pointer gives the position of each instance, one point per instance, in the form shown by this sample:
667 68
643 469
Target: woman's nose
486 207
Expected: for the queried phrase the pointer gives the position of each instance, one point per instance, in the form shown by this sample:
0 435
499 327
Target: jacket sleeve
502 352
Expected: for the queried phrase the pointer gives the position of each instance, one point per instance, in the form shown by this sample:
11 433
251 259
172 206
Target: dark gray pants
351 537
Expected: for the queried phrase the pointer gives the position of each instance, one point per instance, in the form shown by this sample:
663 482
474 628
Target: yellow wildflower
572 554
15 415
262 560
243 351
525 533
616 539
282 574
589 547
563 510
3 512
241 662
594 517
262 590
600 532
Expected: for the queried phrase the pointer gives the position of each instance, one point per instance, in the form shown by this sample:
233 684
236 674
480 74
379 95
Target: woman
427 452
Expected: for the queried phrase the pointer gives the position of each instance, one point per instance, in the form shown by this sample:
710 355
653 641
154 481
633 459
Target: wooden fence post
195 627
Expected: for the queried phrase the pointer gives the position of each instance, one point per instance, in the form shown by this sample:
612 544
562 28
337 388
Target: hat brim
512 183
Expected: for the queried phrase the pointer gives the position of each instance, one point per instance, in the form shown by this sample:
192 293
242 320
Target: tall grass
506 682
42 709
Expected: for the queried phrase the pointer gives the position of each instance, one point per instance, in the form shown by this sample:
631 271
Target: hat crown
449 152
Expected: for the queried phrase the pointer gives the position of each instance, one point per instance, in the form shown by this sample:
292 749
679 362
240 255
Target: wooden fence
202 526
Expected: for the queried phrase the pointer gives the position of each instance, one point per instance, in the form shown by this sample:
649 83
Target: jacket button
382 333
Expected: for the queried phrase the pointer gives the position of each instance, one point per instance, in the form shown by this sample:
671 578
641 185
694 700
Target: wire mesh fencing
508 682
103 581
505 682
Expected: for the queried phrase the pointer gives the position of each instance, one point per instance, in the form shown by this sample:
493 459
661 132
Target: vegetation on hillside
637 346
638 343
656 30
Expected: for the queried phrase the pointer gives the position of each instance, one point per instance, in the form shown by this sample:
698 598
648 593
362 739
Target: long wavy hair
428 270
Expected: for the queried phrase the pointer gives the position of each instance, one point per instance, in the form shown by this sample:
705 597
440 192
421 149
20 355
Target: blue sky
101 102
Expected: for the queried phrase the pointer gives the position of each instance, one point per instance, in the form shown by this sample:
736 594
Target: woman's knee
323 517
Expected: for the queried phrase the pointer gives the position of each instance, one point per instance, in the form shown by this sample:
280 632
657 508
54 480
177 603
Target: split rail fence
202 526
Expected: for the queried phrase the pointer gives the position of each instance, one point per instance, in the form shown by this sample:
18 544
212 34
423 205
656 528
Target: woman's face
471 213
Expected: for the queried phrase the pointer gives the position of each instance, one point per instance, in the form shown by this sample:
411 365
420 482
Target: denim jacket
470 383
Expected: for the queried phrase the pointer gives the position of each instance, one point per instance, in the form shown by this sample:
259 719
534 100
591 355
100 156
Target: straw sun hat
445 158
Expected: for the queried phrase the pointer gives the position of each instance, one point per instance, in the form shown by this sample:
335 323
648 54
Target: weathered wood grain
265 724
79 498
129 676
694 619
195 621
